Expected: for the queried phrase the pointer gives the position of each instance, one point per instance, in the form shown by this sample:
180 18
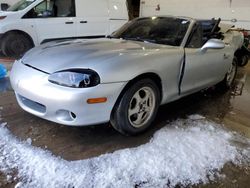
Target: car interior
203 31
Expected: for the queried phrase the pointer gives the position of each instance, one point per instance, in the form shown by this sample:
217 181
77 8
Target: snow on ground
184 152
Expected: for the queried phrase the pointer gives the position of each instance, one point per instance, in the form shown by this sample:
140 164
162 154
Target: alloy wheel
141 107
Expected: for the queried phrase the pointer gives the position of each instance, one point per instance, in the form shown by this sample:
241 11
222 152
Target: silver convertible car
125 77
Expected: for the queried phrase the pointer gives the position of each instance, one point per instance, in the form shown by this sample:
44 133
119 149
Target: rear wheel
137 108
230 76
243 60
15 45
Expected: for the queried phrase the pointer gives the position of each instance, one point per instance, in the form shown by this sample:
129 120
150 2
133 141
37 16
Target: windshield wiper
111 37
140 39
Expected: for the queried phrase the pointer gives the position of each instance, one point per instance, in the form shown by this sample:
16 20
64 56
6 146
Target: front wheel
15 44
137 108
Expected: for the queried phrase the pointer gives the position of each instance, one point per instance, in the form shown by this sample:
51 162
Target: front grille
32 104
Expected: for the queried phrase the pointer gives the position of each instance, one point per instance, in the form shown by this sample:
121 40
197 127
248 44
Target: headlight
75 78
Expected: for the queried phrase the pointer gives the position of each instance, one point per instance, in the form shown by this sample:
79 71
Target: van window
53 8
20 5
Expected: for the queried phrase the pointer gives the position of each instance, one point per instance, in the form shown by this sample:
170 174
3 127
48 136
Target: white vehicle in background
29 23
234 12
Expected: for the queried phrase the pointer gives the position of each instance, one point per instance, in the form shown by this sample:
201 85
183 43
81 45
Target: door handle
69 22
83 22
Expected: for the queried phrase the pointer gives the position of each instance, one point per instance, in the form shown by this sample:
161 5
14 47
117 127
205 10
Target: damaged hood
91 53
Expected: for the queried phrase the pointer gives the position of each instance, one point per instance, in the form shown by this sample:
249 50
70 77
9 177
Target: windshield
160 30
20 5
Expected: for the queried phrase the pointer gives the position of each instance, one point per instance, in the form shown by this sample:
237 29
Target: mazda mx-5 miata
123 78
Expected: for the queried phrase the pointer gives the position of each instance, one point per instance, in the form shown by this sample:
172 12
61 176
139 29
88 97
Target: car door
202 68
53 19
92 18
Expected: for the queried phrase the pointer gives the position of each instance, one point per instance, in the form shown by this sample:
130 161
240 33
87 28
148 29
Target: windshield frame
182 23
16 6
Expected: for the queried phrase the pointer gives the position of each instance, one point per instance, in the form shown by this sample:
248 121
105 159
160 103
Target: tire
137 108
230 75
15 44
243 60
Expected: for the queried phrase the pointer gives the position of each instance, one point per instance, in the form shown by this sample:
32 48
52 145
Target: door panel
53 28
53 19
92 20
204 69
92 26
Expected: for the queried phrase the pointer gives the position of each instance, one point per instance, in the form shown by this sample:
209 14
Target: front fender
165 63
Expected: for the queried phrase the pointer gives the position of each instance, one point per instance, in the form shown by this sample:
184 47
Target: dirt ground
75 143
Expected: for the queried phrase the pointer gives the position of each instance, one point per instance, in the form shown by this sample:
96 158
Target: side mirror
213 44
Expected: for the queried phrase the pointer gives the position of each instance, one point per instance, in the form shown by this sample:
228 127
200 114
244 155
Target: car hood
79 53
6 13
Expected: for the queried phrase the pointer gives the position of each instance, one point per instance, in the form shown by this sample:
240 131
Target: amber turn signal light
2 17
97 100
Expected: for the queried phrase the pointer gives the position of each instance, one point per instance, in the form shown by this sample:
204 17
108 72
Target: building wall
235 12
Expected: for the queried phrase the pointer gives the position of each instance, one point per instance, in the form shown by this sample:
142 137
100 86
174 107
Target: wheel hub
141 107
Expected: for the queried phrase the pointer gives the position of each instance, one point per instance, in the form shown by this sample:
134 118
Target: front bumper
68 106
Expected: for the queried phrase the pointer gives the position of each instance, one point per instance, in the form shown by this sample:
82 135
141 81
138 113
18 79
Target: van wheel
15 45
230 76
137 108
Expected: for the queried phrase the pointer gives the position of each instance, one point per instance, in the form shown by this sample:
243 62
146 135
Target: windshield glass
20 5
160 30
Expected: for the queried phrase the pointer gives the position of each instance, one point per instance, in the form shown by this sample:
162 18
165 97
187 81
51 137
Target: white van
31 22
236 12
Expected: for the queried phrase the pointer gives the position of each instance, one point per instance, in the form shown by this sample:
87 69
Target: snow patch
29 141
196 117
4 124
185 152
19 185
